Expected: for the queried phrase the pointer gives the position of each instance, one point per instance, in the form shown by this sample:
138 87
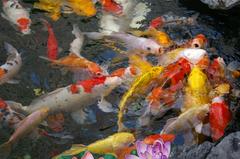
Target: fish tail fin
5 150
10 49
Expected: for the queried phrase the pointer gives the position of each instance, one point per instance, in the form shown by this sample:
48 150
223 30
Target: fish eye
148 48
99 74
196 45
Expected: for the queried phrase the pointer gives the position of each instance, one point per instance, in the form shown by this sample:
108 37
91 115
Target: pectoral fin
82 116
105 106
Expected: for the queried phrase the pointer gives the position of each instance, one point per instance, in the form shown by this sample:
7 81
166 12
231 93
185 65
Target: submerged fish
12 65
76 97
53 7
111 6
8 117
81 7
219 117
17 15
52 44
111 144
186 122
26 126
138 86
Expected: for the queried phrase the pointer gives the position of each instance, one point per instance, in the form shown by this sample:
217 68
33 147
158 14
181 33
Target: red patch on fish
74 89
89 84
219 118
52 43
157 22
111 6
3 104
165 137
23 23
119 72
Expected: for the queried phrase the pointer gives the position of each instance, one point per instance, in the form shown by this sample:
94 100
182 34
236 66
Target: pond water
221 28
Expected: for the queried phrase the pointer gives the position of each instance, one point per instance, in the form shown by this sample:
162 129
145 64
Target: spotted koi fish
11 66
17 15
76 97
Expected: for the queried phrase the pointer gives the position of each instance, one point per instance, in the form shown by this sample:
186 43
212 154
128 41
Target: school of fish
184 79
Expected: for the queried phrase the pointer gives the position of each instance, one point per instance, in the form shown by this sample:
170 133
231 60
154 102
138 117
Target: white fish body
63 99
12 65
13 12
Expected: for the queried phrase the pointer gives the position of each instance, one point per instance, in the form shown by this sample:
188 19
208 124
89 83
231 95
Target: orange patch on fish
2 72
3 104
157 22
165 137
74 89
121 154
23 23
89 84
111 6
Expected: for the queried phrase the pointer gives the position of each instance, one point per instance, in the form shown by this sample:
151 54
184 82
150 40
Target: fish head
199 42
122 140
151 46
11 4
24 25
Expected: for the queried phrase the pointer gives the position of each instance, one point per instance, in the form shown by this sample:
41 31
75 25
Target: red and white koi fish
8 117
171 19
26 126
76 97
16 14
12 65
219 117
52 44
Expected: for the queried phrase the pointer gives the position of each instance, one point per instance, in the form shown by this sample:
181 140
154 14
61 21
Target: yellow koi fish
111 144
139 63
53 7
197 89
138 86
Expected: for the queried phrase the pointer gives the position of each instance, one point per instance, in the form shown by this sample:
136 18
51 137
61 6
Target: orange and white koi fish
127 74
17 15
187 122
219 117
8 117
76 97
12 65
111 6
26 126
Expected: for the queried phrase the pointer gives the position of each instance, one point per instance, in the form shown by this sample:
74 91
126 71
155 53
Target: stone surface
228 148
221 4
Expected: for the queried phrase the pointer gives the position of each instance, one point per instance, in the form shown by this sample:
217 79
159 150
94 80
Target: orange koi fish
111 6
219 117
16 14
52 43
149 140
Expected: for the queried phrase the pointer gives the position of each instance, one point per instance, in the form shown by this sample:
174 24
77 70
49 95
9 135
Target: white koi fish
17 15
12 65
76 97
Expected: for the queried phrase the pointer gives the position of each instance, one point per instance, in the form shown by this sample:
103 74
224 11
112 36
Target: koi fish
8 117
194 56
26 126
171 19
138 86
191 119
17 15
219 117
80 7
111 144
197 90
11 66
127 74
149 140
148 46
111 6
76 97
159 36
53 7
165 97
52 43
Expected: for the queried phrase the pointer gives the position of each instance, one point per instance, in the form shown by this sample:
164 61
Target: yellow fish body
82 7
53 7
197 89
138 86
110 144
139 63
